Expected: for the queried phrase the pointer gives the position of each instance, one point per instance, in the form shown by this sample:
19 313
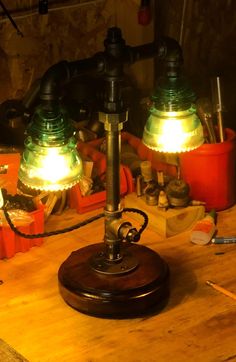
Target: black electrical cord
70 228
142 213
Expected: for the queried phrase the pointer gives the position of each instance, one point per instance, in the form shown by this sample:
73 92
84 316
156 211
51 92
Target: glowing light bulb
173 137
50 160
54 167
50 168
173 125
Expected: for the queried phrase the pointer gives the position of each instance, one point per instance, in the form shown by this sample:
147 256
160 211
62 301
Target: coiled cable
73 227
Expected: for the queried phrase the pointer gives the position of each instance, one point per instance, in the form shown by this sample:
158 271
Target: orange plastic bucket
210 171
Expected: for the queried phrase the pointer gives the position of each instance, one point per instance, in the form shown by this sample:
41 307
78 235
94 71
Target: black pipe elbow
170 51
172 55
61 73
165 49
51 81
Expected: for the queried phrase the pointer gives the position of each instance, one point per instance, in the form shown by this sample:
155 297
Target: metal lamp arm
61 73
110 61
165 48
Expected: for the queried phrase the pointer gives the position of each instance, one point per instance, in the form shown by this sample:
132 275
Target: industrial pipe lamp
118 277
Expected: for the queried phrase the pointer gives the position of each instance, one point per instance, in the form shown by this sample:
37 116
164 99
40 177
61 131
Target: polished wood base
125 295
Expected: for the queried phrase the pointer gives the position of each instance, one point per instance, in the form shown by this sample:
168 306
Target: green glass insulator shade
173 125
50 168
50 160
50 125
173 94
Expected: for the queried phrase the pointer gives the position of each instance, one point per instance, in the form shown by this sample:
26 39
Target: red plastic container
94 201
157 159
11 243
9 166
210 171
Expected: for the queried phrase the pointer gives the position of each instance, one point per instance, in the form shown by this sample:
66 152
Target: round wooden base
118 296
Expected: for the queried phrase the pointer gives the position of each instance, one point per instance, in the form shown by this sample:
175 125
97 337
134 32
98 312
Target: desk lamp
118 277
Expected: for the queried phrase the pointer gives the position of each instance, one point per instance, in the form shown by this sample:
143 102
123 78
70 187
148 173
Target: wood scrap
54 202
50 203
169 223
62 202
9 354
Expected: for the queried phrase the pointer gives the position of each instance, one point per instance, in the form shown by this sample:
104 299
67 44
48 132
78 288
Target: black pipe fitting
61 73
110 62
54 77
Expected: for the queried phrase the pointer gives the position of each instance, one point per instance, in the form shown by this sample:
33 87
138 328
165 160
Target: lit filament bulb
50 168
54 166
173 136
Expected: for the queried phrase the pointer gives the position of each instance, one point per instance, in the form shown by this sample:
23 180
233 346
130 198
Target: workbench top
198 323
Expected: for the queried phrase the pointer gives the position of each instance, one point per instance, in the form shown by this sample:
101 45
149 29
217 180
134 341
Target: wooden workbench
198 324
